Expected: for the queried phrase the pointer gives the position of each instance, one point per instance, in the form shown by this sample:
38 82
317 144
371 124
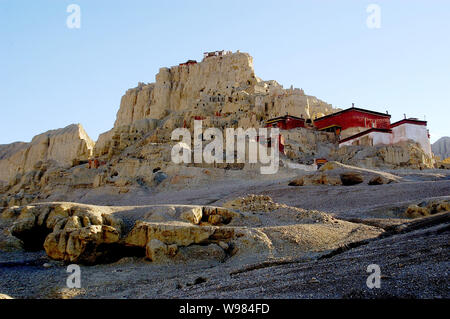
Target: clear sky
52 76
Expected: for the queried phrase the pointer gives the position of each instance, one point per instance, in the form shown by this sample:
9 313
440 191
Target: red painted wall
294 123
288 124
355 118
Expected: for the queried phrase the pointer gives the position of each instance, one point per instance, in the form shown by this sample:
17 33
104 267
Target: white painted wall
381 138
417 133
400 133
378 138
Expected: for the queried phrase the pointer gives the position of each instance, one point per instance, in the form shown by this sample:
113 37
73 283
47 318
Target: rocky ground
315 241
142 226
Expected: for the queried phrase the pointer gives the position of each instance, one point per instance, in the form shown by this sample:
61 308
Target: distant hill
441 147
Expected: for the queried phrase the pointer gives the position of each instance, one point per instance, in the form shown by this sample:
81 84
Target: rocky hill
135 155
221 90
124 202
61 147
441 147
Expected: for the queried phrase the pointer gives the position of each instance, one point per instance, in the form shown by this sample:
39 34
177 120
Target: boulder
415 211
423 209
438 206
156 250
193 215
330 166
377 180
319 178
67 232
172 250
81 245
297 182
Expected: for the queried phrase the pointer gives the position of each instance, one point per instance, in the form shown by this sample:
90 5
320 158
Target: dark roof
410 121
353 109
381 130
281 118
334 125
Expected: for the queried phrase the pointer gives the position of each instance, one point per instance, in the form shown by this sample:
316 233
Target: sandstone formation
254 228
427 209
404 154
62 147
163 228
67 232
222 91
40 178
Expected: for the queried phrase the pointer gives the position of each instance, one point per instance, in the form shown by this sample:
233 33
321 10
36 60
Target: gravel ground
343 201
413 265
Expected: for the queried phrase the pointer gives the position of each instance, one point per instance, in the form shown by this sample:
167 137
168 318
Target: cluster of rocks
426 209
254 203
66 231
90 234
405 154
336 174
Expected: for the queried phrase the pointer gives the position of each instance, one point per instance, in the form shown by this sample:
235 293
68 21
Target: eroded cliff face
222 90
441 148
135 154
10 157
59 147
180 88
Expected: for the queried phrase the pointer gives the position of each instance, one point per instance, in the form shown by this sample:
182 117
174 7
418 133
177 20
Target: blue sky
52 76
